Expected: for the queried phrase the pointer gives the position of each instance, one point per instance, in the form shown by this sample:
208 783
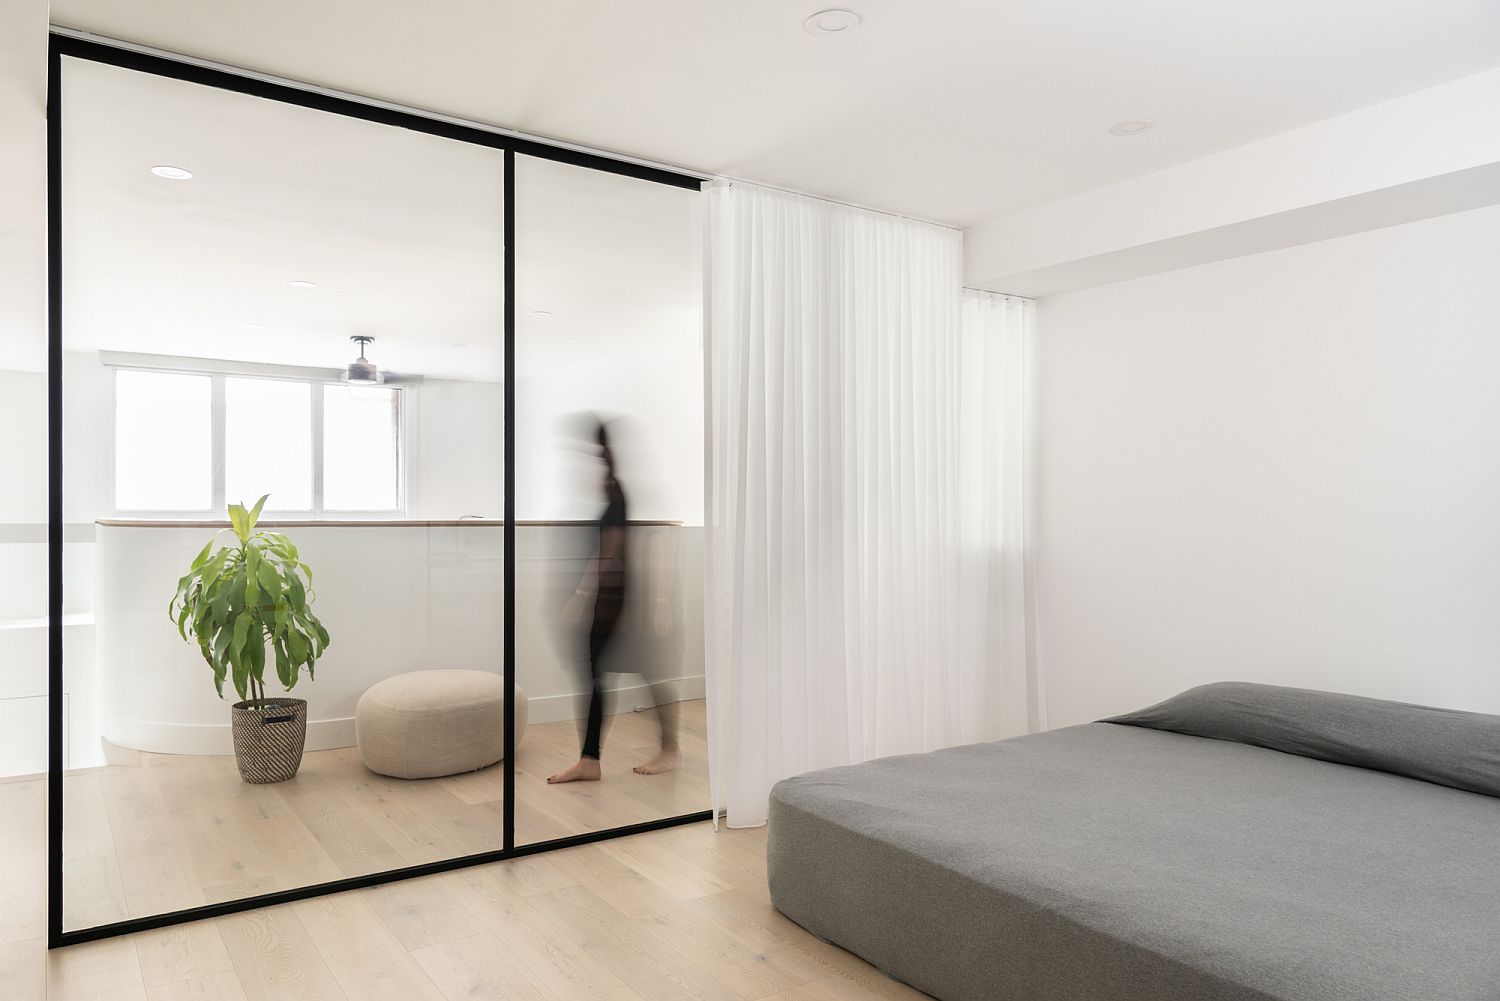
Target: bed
1239 842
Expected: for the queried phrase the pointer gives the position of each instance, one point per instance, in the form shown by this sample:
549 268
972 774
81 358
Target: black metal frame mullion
159 65
54 498
508 573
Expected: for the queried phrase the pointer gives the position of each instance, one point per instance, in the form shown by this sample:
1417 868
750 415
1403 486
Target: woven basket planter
268 739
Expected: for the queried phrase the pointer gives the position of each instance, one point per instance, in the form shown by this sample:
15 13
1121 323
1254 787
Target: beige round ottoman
429 723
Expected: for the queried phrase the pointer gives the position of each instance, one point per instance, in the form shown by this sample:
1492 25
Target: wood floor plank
95 971
93 893
532 874
158 882
181 952
274 958
366 958
23 969
338 827
811 991
299 858
417 913
473 968
841 972
610 880
750 971
653 968
86 830
665 867
23 861
219 987
549 957
139 820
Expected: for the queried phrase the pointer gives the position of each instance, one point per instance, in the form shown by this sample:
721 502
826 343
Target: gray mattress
1118 862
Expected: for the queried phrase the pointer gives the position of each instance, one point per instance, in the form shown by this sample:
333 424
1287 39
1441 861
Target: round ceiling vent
1133 127
835 21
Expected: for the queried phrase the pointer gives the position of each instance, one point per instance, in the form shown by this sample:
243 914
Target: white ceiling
400 231
951 110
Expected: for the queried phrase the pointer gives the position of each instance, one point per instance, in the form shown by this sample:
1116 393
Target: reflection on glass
361 448
162 446
268 443
609 493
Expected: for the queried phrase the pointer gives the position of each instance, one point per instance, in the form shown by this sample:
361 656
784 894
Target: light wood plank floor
162 832
681 913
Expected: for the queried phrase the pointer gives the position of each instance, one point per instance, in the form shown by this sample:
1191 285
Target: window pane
361 448
268 443
163 455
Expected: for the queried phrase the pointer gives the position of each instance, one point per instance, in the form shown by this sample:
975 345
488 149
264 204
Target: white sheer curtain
864 509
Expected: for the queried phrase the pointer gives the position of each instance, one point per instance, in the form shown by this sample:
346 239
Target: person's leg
606 615
666 716
593 736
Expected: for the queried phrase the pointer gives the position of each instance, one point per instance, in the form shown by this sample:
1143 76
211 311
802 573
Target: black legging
608 602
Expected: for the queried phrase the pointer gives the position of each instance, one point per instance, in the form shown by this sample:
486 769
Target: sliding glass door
337 393
609 501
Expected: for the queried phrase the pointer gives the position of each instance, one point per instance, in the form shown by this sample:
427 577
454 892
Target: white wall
1282 468
393 599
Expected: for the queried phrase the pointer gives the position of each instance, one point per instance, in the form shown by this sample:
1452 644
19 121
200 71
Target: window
268 430
163 453
361 448
188 443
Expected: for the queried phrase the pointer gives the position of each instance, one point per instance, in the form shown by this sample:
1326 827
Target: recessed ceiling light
1132 127
302 284
255 327
460 347
541 312
171 173
836 21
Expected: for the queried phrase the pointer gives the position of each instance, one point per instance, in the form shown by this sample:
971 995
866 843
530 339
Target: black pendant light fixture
361 371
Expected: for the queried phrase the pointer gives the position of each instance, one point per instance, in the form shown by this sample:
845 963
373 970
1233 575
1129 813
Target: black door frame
61 45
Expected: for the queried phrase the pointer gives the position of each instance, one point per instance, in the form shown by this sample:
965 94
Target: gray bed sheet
1125 864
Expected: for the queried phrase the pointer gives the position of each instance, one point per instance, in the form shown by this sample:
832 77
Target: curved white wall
394 598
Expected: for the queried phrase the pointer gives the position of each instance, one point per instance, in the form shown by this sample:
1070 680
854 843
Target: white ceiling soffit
1425 154
951 110
399 233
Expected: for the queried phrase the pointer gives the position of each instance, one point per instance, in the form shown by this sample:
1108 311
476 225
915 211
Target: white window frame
217 373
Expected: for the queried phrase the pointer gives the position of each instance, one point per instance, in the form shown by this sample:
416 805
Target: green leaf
270 580
215 566
201 558
255 513
240 667
286 672
296 594
255 646
240 519
252 583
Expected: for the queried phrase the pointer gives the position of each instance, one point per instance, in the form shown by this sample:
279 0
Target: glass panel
163 452
609 450
297 231
361 448
268 443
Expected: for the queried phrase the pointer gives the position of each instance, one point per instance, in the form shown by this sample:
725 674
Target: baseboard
327 734
557 708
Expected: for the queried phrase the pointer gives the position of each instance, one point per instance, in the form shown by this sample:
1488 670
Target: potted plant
234 602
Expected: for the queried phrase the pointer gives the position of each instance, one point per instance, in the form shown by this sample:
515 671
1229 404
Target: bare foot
663 762
587 770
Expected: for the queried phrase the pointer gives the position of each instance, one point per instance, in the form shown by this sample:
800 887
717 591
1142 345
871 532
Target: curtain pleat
866 590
